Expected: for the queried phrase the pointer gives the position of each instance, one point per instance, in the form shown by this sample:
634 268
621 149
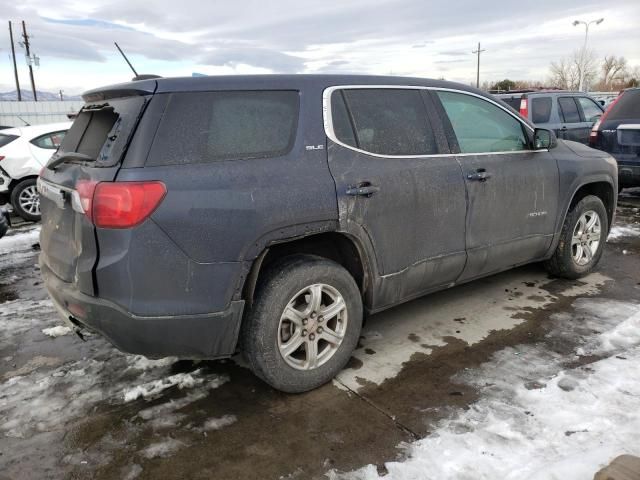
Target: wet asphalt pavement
81 409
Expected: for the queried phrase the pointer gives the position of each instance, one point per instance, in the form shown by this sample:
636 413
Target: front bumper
209 336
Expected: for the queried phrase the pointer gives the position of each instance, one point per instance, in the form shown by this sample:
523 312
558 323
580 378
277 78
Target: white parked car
23 153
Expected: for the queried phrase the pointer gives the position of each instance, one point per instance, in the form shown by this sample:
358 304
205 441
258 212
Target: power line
478 51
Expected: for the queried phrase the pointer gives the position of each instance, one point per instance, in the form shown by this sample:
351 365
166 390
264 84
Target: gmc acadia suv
195 216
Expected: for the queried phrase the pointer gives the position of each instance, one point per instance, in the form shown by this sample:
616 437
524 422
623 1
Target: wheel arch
16 181
340 247
601 187
603 190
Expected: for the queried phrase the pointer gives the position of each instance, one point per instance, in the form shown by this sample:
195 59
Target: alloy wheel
587 235
29 200
312 326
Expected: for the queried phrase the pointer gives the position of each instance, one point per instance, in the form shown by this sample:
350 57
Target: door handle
479 175
364 189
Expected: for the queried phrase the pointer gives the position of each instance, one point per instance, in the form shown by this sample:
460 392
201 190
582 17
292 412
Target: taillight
85 189
524 108
119 204
593 136
1 158
595 130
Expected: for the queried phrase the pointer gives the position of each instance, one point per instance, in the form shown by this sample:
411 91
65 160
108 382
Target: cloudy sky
74 38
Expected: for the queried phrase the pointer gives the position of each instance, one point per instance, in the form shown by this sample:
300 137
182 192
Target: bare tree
566 72
613 69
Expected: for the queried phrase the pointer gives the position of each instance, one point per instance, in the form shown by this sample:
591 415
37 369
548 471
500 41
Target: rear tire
582 239
285 336
25 200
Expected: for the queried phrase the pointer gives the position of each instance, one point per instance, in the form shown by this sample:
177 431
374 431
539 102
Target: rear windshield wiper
73 156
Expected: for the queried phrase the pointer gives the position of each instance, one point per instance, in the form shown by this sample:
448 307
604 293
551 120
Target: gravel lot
514 376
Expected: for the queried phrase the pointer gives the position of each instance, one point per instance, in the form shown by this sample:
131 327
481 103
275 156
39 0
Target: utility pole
29 60
15 67
478 51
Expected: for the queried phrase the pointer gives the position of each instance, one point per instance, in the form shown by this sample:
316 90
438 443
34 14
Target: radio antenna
126 59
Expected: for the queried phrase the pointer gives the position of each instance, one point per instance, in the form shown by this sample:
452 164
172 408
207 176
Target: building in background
19 114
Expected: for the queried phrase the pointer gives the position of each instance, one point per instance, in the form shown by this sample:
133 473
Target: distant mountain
28 96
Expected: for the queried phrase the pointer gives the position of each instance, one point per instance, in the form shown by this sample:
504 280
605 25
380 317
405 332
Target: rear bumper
208 336
5 180
628 174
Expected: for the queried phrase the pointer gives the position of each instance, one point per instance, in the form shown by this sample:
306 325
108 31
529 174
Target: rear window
102 131
569 110
6 139
627 107
540 109
215 126
513 102
384 121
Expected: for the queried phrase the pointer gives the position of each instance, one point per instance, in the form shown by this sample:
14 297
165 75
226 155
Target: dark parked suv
618 133
195 216
569 114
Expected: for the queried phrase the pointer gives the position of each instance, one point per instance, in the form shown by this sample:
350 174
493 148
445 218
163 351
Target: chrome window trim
329 132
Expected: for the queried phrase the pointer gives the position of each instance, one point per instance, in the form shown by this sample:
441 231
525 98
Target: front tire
582 239
304 323
25 200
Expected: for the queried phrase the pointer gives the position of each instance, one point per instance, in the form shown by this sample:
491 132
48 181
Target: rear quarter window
50 141
203 127
540 109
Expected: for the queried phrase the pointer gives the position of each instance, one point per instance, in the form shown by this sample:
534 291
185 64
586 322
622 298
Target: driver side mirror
544 139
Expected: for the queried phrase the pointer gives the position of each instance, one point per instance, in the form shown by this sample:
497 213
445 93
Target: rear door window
481 126
540 109
385 121
214 126
590 109
569 110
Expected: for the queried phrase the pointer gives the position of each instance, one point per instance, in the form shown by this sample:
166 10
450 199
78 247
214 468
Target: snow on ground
219 423
181 380
163 448
20 240
58 331
536 419
619 231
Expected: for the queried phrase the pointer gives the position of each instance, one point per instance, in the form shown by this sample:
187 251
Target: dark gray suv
196 216
569 114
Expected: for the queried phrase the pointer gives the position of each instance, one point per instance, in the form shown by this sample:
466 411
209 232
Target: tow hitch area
77 328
